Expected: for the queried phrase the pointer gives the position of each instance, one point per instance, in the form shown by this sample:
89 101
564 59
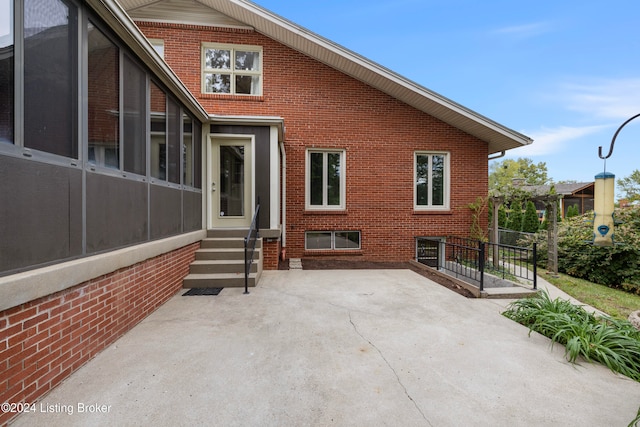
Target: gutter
502 154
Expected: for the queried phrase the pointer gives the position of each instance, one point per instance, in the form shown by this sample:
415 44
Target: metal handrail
468 258
250 246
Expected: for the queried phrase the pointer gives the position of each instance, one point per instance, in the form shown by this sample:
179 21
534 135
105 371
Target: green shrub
514 221
572 211
614 343
530 221
502 216
617 266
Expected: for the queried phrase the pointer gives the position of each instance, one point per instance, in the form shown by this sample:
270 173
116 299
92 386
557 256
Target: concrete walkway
319 348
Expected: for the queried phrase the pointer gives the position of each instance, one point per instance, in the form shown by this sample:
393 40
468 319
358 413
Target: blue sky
565 73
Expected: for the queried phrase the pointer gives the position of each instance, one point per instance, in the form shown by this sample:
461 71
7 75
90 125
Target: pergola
551 205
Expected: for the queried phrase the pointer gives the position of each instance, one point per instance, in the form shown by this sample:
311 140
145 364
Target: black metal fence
250 246
511 237
478 262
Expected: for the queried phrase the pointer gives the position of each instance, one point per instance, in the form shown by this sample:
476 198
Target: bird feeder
603 232
603 222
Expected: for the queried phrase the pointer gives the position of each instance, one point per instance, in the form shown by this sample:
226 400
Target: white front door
231 183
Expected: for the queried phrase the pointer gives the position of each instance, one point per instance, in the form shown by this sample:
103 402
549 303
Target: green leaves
630 186
614 343
616 267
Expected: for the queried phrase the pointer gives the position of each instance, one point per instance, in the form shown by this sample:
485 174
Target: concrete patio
351 347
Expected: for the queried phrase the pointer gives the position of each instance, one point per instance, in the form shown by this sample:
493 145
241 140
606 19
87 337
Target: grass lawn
617 304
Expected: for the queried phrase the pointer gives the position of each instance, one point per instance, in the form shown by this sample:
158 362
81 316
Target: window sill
432 212
230 97
325 212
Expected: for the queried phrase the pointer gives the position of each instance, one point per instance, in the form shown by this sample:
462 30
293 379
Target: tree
572 211
515 216
502 216
502 174
630 186
530 221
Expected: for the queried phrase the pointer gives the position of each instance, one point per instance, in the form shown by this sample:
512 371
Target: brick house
122 145
355 136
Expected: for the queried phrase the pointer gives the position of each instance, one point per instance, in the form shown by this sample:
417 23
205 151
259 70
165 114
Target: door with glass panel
231 182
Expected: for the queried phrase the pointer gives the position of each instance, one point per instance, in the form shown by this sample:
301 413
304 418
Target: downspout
284 196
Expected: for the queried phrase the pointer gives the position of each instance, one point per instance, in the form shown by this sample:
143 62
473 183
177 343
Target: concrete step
222 254
228 280
226 243
219 262
220 266
228 232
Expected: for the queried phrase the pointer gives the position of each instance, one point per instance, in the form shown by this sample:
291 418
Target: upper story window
431 174
325 182
158 46
231 69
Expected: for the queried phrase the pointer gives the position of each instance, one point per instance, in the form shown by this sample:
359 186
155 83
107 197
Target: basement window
332 240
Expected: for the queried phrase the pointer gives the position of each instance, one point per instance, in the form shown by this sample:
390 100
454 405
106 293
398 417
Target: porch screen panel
6 72
103 100
158 132
187 150
134 104
197 154
174 121
51 77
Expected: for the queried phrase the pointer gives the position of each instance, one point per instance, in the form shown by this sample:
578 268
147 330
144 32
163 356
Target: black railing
471 259
250 246
514 261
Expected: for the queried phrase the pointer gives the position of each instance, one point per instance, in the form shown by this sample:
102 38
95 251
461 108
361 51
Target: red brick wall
42 342
325 108
270 254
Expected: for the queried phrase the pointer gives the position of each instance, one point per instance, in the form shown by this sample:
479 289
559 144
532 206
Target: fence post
481 246
535 266
246 270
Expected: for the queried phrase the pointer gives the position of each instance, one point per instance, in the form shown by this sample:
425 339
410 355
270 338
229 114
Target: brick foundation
42 342
270 254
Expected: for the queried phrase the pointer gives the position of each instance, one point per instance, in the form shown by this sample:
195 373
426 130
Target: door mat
202 291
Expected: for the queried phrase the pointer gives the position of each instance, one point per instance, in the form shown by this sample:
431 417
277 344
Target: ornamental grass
614 343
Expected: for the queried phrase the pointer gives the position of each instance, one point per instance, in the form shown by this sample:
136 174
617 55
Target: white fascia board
251 121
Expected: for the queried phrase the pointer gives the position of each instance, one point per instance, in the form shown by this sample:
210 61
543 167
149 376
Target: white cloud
552 140
525 30
608 99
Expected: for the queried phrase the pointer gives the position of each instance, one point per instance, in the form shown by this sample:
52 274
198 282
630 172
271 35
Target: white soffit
499 137
179 12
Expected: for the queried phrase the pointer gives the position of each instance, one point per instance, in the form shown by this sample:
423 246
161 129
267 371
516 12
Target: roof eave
499 137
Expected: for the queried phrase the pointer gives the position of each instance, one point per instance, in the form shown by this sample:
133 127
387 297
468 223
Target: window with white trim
325 179
431 177
158 46
332 240
231 69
